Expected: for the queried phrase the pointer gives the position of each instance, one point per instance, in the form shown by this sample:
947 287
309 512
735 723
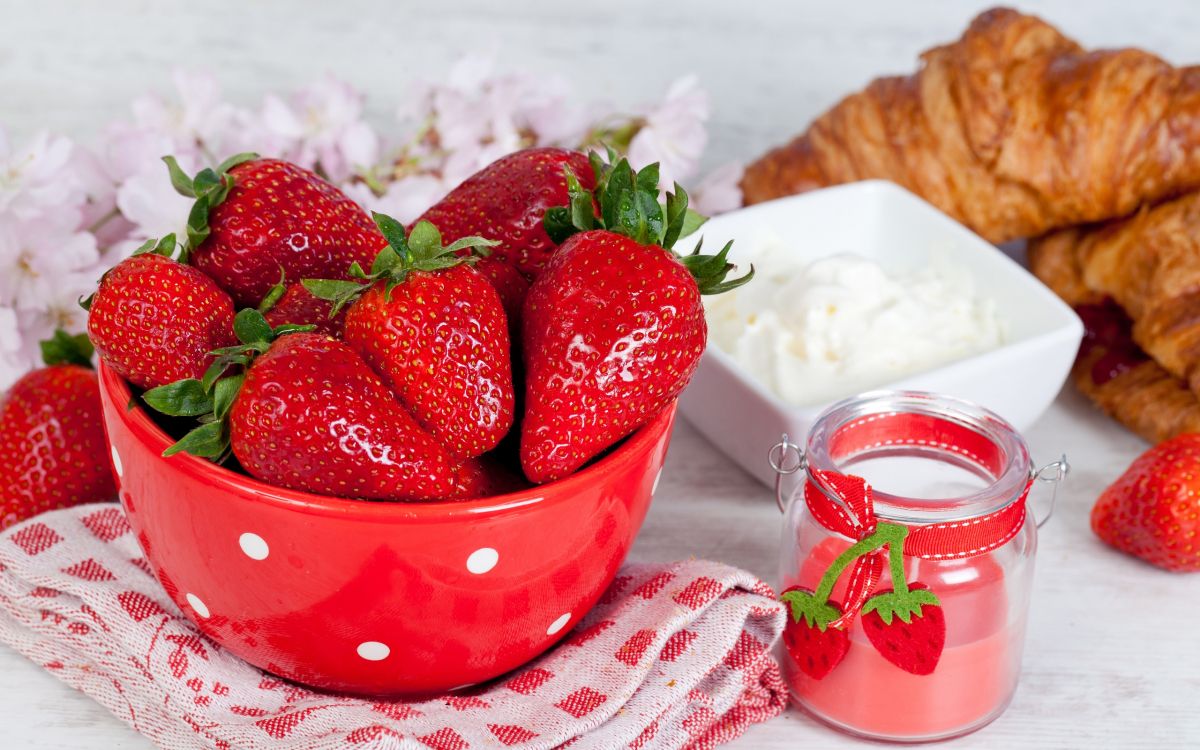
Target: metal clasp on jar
1052 473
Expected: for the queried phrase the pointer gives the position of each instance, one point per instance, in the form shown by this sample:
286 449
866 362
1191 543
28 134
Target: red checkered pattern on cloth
674 656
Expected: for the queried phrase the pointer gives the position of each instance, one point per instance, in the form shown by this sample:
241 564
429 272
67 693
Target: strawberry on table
255 218
154 320
1153 510
434 329
53 453
613 328
307 414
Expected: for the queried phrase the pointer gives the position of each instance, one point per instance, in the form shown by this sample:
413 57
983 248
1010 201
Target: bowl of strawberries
394 460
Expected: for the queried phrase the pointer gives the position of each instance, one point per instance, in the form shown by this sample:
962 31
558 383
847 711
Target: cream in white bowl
811 331
1017 376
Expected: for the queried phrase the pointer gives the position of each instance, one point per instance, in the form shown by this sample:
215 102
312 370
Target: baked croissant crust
1112 370
1014 130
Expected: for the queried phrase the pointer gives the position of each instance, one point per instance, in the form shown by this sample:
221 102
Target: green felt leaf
224 394
183 398
207 441
902 604
251 327
64 349
806 606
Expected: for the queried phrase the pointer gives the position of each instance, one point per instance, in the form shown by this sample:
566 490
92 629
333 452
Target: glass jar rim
1006 485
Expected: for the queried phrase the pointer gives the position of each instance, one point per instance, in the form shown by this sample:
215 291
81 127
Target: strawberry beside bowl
385 599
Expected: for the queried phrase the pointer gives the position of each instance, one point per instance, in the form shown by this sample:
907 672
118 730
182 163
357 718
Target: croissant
1112 370
1014 130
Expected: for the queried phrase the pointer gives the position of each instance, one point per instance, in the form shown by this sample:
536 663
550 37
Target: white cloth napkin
674 656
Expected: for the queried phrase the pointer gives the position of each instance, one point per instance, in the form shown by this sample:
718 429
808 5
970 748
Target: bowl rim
143 429
1068 328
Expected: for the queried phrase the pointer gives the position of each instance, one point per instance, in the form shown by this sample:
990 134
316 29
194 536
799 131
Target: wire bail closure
1052 473
778 456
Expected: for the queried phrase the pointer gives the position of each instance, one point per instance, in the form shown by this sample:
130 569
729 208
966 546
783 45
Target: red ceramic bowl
378 598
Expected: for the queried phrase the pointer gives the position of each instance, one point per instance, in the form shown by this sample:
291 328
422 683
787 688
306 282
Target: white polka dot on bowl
373 650
558 624
482 560
254 546
197 605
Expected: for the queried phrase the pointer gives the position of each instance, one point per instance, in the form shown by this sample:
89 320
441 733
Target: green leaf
650 217
179 179
183 398
197 228
677 208
332 290
558 225
393 232
149 246
274 294
647 179
214 371
582 205
86 302
387 259
251 327
691 222
63 348
425 240
207 441
235 160
206 181
617 194
225 393
287 328
481 245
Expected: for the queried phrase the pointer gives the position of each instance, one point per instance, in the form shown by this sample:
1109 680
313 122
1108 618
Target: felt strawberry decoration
812 643
256 218
906 626
53 453
435 331
154 320
613 328
1153 510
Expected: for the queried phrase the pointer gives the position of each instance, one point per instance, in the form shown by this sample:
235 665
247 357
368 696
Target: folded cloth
674 656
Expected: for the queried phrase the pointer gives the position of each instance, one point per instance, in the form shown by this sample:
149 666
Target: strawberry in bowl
338 490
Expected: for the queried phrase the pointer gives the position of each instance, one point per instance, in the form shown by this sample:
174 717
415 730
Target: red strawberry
435 331
154 320
613 328
507 201
1153 510
298 306
908 628
255 218
485 476
337 431
53 453
811 642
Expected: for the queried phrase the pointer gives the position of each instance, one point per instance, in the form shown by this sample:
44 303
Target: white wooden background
1113 659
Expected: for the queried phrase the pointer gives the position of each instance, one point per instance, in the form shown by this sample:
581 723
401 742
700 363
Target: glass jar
929 490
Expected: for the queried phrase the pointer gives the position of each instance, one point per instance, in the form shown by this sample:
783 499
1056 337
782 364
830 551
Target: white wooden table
1113 656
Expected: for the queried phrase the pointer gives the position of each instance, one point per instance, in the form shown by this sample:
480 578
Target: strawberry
907 627
813 644
613 328
307 414
154 320
298 306
485 476
507 200
1153 510
255 218
53 453
434 329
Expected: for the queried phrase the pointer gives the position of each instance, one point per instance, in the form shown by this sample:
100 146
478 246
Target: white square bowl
891 226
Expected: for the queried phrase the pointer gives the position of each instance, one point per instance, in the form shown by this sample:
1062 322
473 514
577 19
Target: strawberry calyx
816 613
903 604
210 398
210 187
64 349
629 205
418 250
167 246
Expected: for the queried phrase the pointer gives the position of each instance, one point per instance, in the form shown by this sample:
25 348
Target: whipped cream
821 331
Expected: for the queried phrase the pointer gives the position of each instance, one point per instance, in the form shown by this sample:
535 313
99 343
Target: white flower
674 134
405 199
720 191
197 119
36 178
13 362
148 201
321 125
35 257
